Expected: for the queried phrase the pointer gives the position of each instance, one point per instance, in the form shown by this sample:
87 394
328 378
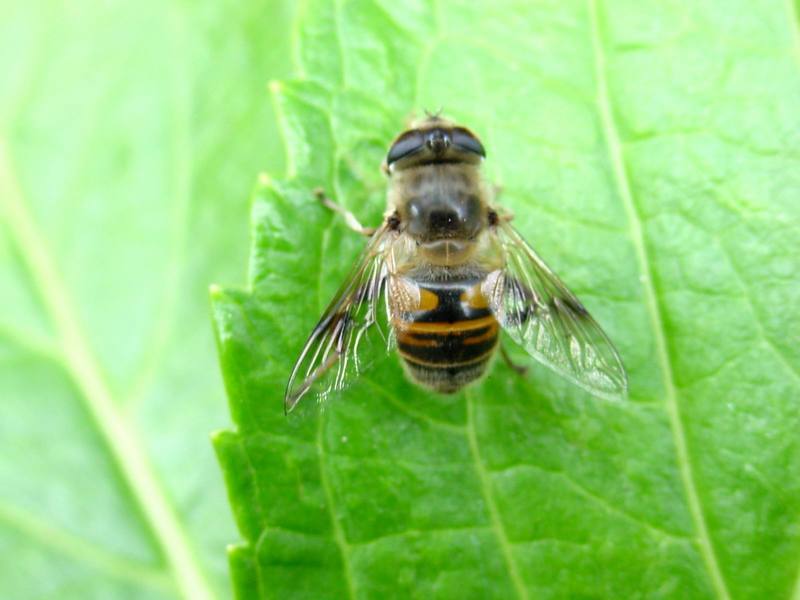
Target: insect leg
521 370
349 218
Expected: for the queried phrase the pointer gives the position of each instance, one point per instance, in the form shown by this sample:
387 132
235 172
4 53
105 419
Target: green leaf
649 152
129 137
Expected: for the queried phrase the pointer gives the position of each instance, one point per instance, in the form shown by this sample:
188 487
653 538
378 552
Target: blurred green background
130 137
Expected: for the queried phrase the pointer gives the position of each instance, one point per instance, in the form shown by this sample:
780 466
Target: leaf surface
649 152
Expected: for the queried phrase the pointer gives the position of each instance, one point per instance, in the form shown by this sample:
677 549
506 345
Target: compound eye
408 143
465 140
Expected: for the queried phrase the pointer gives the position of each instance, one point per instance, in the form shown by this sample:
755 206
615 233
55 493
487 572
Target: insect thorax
439 201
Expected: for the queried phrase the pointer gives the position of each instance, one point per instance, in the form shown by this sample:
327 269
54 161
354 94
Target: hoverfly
441 277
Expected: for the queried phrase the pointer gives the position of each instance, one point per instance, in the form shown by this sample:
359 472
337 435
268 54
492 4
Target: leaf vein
484 477
622 180
606 504
259 511
412 412
791 369
82 365
69 545
181 105
423 532
338 532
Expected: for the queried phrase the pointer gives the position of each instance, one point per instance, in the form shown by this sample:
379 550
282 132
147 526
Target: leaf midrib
488 497
81 364
338 532
624 188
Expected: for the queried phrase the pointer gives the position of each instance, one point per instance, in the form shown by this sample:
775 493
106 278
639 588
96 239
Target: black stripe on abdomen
452 344
448 346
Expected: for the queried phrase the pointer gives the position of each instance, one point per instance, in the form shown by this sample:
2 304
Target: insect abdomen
448 342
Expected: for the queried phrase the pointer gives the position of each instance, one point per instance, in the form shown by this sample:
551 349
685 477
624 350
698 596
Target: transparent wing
540 313
352 333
